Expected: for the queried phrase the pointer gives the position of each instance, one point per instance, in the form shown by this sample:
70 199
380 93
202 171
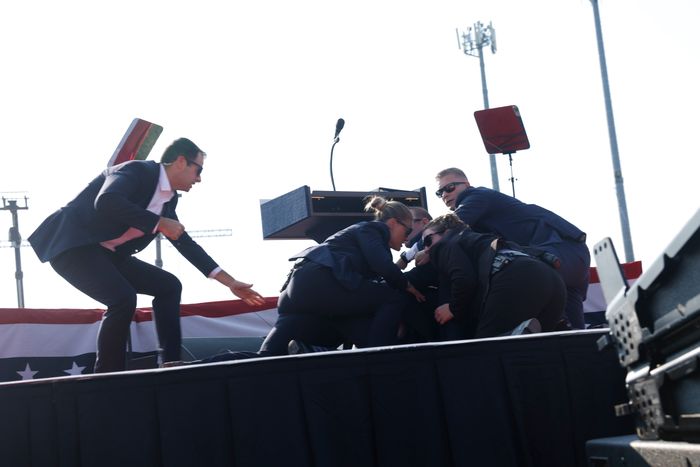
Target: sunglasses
199 167
449 188
408 229
428 239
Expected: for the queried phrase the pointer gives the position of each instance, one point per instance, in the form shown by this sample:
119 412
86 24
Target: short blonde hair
451 171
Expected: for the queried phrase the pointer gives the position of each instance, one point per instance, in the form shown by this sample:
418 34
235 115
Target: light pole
193 234
619 183
472 43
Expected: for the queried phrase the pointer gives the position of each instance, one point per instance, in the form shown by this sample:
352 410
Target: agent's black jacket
463 260
357 253
490 211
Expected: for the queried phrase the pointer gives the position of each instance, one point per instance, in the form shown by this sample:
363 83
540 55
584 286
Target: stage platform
517 401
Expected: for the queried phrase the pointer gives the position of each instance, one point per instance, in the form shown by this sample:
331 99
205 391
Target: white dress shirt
162 195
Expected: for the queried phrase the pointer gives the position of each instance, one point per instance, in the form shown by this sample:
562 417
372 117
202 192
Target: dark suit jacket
112 203
463 261
490 211
356 253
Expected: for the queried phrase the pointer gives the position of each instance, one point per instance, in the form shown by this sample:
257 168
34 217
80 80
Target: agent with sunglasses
421 217
347 289
418 325
490 211
91 240
487 286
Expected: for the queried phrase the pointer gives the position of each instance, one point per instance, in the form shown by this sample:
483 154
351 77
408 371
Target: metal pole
16 240
619 183
485 92
159 258
482 36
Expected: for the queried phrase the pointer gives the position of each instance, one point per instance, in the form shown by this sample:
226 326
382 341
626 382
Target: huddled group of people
493 266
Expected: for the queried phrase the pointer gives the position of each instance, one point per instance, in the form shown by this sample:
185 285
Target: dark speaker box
303 214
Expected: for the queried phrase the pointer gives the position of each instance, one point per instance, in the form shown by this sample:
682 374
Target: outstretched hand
246 293
240 289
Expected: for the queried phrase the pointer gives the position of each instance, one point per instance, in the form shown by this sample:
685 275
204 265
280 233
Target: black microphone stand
335 141
512 178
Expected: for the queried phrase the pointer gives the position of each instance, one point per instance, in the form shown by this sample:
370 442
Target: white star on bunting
75 370
27 373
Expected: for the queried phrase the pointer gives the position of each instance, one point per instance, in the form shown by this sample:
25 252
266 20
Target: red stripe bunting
87 316
631 270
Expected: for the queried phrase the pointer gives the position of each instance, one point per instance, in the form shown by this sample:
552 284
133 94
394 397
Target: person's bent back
490 211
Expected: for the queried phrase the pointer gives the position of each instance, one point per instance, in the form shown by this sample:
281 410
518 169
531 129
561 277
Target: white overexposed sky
260 85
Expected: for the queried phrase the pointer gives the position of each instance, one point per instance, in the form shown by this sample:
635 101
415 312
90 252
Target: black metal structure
655 326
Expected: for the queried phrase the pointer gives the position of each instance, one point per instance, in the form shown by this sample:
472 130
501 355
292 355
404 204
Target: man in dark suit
490 211
91 240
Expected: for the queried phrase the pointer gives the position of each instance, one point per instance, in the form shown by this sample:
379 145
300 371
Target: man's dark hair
181 147
421 212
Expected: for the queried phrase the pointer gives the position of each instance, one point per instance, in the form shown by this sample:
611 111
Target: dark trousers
525 288
114 281
315 309
419 318
575 271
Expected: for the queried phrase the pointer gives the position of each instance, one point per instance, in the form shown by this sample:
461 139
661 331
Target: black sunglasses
199 167
449 188
408 229
428 239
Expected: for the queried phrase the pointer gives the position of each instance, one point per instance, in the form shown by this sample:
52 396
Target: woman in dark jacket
488 286
347 289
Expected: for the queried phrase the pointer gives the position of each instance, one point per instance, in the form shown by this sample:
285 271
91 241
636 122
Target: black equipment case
655 326
630 451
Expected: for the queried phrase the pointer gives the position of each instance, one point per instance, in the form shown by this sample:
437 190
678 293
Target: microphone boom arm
335 141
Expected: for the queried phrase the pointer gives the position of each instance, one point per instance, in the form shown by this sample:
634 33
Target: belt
503 258
297 265
580 239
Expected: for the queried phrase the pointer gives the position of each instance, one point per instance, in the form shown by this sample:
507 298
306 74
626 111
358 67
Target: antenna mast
472 43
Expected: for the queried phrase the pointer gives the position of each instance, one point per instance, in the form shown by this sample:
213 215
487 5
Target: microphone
338 128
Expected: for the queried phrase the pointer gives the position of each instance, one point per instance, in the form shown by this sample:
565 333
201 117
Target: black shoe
531 326
296 347
564 325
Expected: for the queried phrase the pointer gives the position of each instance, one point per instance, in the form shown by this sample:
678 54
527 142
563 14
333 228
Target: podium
305 214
